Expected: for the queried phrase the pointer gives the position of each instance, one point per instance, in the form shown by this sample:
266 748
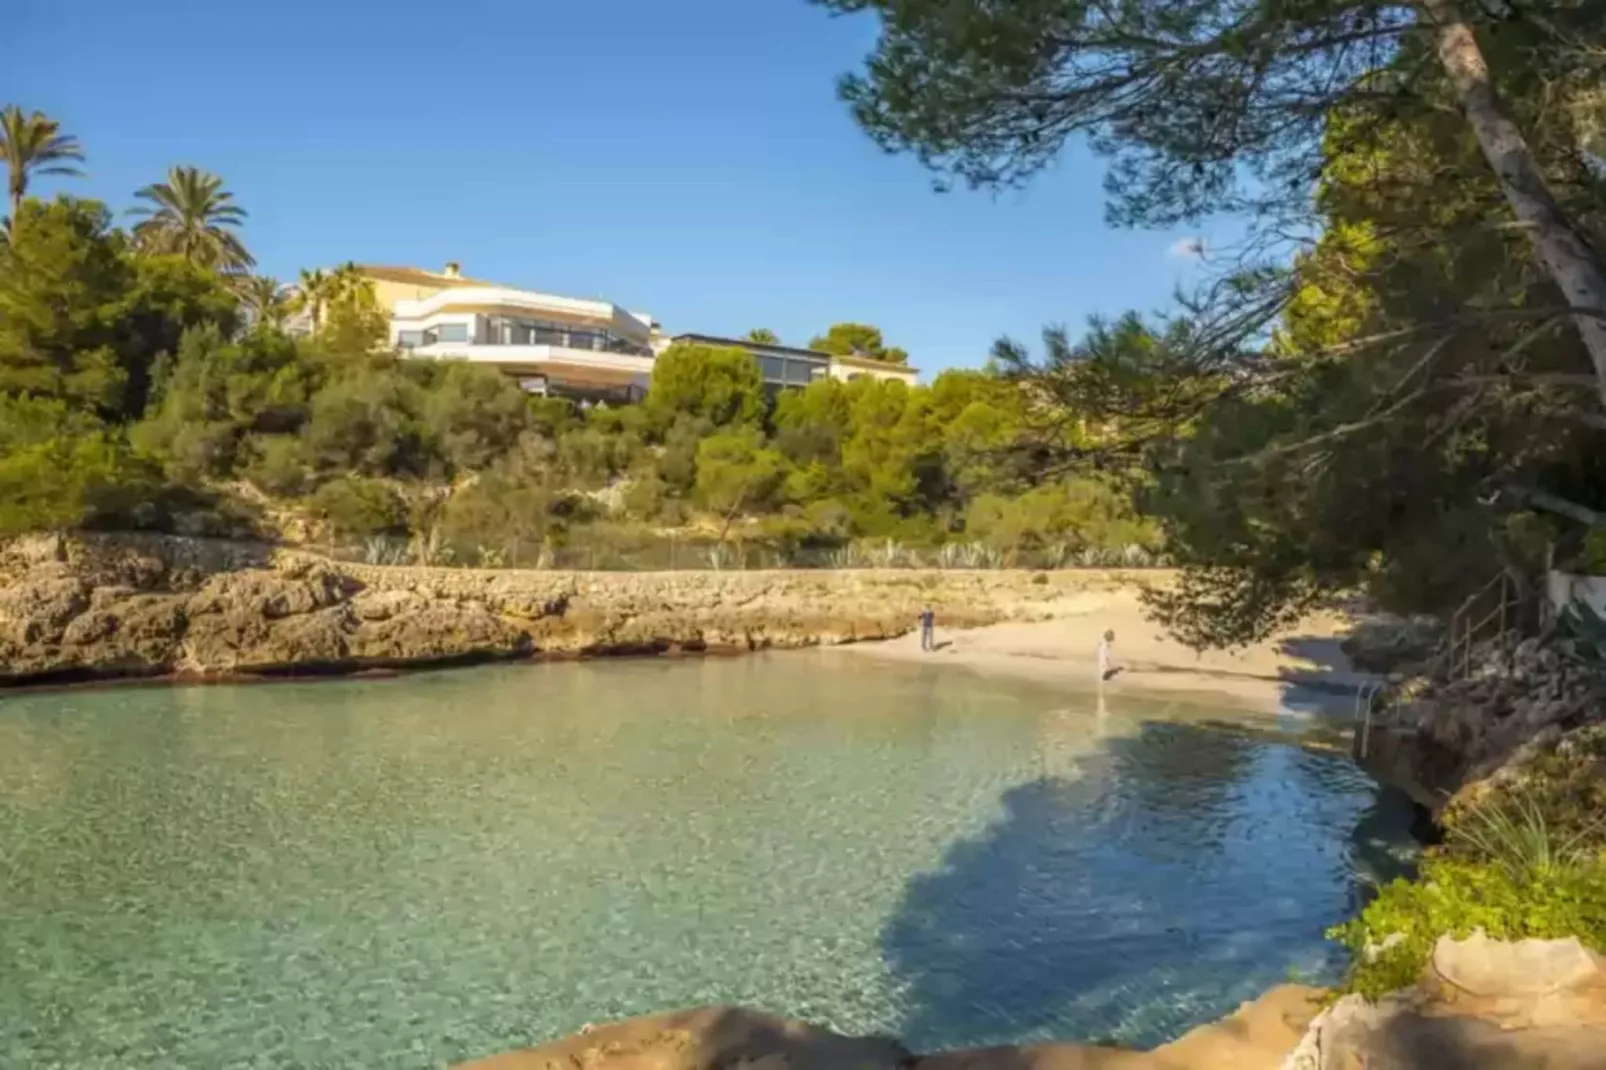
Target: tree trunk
1565 254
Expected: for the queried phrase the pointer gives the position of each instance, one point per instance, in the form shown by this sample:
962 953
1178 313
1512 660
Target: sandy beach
1303 669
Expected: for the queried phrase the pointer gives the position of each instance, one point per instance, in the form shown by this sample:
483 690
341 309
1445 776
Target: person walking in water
1106 670
928 629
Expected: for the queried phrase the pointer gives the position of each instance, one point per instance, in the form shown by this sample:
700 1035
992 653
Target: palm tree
264 299
34 145
191 215
313 293
346 280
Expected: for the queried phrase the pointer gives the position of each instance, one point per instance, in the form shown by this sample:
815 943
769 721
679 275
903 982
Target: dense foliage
1404 404
144 381
1520 864
1397 382
1455 896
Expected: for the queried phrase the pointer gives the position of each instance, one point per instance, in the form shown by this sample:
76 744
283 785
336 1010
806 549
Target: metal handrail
1365 707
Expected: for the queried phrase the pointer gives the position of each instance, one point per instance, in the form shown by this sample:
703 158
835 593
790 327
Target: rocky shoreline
1479 1003
89 607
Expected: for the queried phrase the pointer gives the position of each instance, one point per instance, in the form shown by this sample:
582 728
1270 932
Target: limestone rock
39 608
1403 1033
1521 968
710 1038
117 605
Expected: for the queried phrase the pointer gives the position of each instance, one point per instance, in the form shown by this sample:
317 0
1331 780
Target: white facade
572 345
542 340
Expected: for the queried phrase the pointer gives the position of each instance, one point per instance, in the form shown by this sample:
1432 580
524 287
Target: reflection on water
404 873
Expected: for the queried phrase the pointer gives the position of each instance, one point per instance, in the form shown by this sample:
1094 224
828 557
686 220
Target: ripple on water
406 873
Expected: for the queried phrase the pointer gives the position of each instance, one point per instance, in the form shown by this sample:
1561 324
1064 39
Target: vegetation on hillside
156 382
1396 382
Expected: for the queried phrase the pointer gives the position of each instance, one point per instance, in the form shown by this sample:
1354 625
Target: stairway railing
1454 660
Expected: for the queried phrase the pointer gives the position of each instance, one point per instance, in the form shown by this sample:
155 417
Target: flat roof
748 343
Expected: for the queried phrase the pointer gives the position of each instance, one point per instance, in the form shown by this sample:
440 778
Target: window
409 339
452 332
774 369
802 372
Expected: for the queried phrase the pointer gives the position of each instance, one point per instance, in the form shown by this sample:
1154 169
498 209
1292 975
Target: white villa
587 349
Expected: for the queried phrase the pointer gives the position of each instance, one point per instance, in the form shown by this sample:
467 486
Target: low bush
1508 868
1393 938
355 506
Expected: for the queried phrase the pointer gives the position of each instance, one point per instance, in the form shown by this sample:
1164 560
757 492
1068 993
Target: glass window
431 336
546 336
452 332
409 339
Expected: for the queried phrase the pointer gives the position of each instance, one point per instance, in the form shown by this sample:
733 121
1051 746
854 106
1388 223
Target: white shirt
1104 656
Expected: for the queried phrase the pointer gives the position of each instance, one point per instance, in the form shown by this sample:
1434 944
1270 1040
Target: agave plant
379 550
888 554
490 557
719 556
844 557
1135 556
1588 630
430 549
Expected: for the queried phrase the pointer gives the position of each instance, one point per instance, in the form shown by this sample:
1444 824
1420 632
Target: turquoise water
405 873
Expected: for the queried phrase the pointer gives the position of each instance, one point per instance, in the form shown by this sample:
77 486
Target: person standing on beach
928 629
1105 670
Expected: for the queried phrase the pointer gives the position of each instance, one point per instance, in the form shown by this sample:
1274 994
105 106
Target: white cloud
1188 249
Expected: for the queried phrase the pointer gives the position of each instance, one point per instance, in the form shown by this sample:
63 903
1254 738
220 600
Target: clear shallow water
409 872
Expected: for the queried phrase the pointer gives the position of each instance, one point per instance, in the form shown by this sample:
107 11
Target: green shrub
1456 895
1559 795
89 480
279 464
355 506
1509 868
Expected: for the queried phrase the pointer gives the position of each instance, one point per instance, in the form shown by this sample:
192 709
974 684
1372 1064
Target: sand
1301 670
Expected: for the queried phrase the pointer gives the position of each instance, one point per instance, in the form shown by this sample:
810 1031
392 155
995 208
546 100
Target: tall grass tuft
1517 836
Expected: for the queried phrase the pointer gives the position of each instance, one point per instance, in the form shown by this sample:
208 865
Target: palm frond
190 215
33 144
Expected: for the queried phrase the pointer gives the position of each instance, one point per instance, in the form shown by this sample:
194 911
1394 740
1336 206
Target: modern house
590 350
586 349
788 366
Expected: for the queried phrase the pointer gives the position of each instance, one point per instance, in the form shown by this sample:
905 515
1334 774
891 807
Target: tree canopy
193 216
1225 105
858 339
1407 407
146 382
721 385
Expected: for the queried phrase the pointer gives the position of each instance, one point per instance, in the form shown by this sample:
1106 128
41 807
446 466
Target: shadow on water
1325 681
1156 885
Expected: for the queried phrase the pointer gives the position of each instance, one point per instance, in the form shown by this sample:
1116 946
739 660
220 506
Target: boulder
1522 968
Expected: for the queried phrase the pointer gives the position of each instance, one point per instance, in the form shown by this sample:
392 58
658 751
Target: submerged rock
709 1038
1256 1037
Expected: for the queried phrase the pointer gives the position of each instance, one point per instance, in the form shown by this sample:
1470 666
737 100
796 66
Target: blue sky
686 158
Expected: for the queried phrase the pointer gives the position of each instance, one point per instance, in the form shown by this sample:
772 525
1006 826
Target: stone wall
88 606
